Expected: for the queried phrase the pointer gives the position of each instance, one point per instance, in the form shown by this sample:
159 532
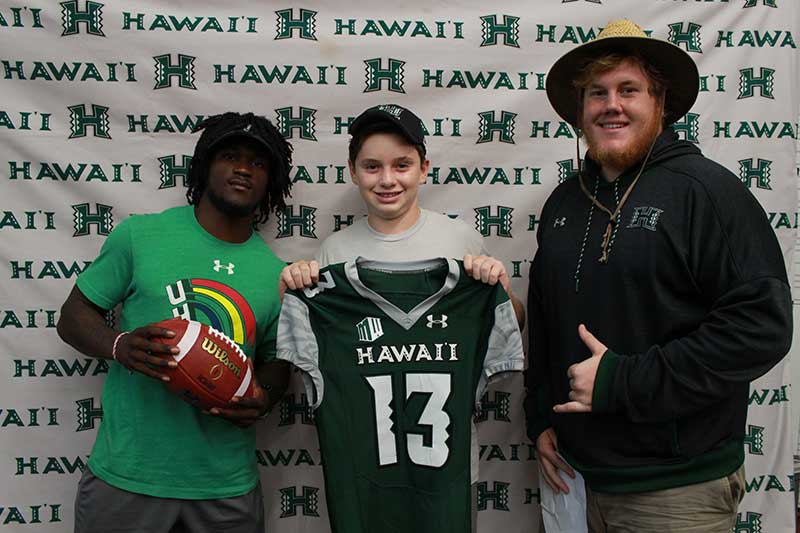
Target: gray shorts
103 508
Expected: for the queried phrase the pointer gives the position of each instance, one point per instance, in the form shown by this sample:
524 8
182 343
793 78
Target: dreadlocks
279 156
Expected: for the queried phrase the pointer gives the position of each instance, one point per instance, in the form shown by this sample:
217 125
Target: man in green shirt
158 463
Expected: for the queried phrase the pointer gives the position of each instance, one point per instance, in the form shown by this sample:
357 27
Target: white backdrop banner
98 101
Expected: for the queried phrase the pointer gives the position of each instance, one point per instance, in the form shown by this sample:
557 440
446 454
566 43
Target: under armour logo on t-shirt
218 266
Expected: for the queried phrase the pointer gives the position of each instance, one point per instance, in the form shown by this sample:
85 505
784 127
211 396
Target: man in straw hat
658 292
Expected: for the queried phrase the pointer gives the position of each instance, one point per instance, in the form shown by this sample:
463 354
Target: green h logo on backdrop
183 70
566 168
754 3
88 414
488 126
500 407
91 18
80 120
305 123
498 495
83 218
491 29
306 221
690 37
688 127
308 501
170 170
110 318
754 440
394 75
485 220
340 221
750 524
287 24
290 410
761 172
748 81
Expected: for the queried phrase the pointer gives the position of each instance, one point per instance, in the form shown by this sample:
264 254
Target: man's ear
662 106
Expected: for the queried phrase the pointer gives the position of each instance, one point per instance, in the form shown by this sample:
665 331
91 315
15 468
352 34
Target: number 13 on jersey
438 387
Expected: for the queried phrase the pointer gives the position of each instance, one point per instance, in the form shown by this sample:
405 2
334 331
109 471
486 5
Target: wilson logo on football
211 370
213 348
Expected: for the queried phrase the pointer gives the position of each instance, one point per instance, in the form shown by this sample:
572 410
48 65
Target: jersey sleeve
107 280
504 349
297 344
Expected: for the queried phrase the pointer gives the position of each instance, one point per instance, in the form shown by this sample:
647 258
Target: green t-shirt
395 357
160 266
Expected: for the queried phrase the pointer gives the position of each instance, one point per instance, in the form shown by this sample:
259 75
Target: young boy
388 163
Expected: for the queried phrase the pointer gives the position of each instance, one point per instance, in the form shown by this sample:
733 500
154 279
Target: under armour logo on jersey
369 329
218 266
560 222
442 322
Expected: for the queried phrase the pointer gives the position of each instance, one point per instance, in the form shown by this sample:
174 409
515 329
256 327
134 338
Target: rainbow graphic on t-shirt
215 304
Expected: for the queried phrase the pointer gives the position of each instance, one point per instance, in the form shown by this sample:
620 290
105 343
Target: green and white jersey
395 357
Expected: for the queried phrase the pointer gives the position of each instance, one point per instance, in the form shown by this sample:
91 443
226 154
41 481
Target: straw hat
678 68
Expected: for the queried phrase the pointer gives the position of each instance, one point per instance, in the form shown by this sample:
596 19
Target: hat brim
677 67
242 135
272 156
371 116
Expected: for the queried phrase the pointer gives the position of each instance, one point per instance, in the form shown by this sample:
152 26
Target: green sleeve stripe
601 396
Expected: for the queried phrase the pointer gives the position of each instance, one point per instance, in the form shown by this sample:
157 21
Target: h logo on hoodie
645 217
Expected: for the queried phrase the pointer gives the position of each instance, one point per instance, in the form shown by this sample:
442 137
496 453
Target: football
211 369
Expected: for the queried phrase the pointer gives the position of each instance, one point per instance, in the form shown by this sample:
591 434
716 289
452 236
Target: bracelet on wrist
116 343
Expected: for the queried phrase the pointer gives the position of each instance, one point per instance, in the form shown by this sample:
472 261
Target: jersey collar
405 320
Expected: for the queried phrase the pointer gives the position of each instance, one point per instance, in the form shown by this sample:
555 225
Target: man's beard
632 153
228 208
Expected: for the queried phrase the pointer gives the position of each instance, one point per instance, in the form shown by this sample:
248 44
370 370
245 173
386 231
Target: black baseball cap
409 124
240 125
